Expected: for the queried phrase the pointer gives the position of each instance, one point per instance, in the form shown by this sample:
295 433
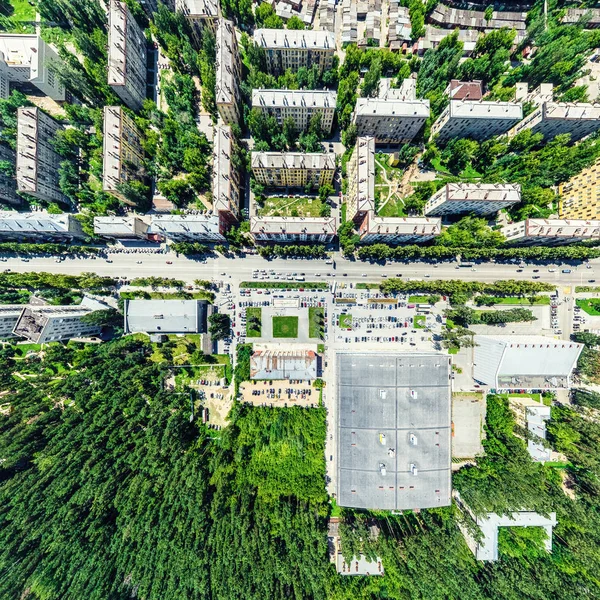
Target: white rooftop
482 109
293 160
182 224
562 228
165 316
198 8
405 225
300 98
118 225
288 39
308 225
34 222
225 85
365 173
392 108
478 192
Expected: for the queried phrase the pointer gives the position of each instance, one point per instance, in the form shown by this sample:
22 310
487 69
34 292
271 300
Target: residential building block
292 49
29 59
293 229
398 230
120 227
580 196
226 178
297 104
187 228
474 198
199 14
228 72
123 155
551 231
37 161
126 56
293 169
8 183
360 195
39 226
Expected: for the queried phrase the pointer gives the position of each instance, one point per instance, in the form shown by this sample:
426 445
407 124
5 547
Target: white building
165 316
360 195
550 118
37 160
397 230
39 226
41 323
476 119
533 415
228 72
551 231
226 178
320 230
126 56
28 59
476 198
292 49
9 315
298 104
187 228
293 169
396 115
120 227
122 152
530 362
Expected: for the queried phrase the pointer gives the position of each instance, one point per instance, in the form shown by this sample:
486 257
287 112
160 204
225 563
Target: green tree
295 22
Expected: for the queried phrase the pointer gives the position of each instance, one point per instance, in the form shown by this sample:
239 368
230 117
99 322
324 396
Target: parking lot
279 393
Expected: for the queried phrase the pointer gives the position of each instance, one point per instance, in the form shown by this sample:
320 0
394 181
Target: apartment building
395 116
228 72
298 104
226 178
551 232
476 119
41 323
293 169
9 315
292 49
187 228
591 17
360 195
123 155
293 229
39 226
579 119
199 14
118 228
8 183
126 56
580 196
479 199
28 59
398 230
37 161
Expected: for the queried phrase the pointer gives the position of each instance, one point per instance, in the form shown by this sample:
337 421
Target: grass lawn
589 305
345 321
316 318
419 299
419 321
253 330
22 11
284 206
367 286
453 350
523 301
285 327
587 288
536 397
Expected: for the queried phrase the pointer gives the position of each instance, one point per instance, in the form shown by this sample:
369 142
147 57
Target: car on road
566 270
591 281
169 262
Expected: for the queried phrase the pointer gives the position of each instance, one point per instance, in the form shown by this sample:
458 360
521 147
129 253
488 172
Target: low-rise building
551 231
434 36
532 416
39 226
359 565
360 195
300 105
579 119
120 227
8 182
472 198
399 27
524 362
228 73
126 56
589 16
187 228
396 115
464 90
40 322
27 58
293 169
580 196
398 230
9 315
37 160
272 364
165 316
293 229
123 155
293 48
199 14
476 119
226 178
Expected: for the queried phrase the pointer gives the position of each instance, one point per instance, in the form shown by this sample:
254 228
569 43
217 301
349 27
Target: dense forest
108 490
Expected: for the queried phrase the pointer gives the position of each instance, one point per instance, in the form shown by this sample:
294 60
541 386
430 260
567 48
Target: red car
169 262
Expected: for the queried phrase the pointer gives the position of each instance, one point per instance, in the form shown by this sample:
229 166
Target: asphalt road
239 269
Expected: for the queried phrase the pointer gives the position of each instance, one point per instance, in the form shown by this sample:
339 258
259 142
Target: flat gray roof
393 430
165 316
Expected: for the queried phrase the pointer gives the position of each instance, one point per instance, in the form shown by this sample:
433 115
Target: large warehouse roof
524 361
393 430
165 316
